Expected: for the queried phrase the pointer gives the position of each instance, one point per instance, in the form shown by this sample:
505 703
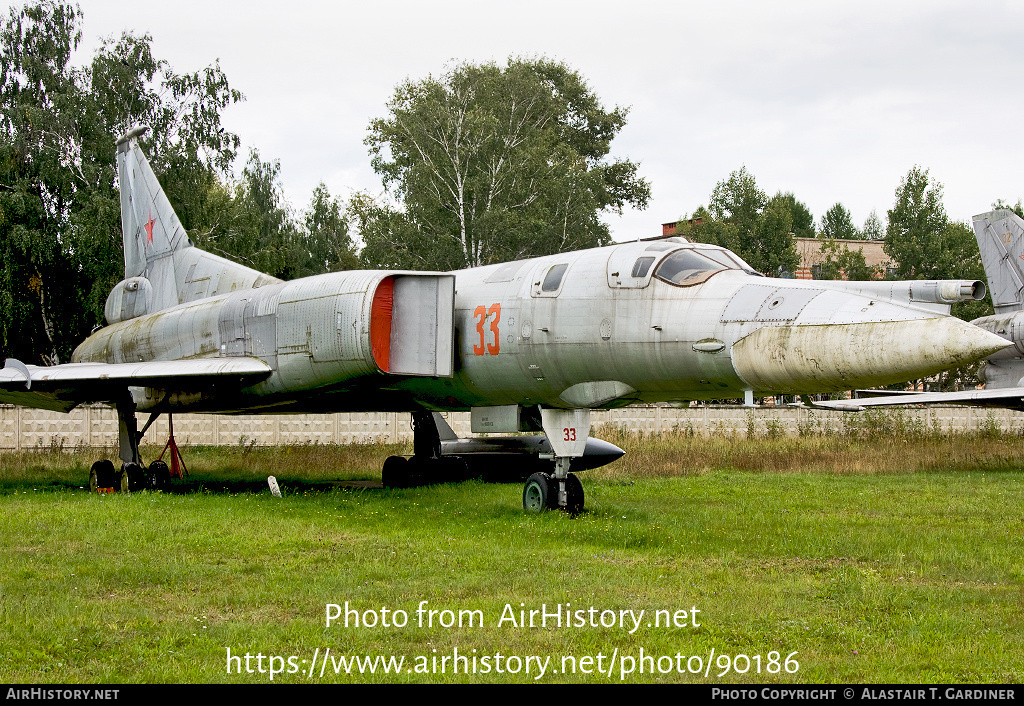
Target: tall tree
771 244
60 234
874 229
914 224
267 236
922 241
41 97
760 230
738 200
838 223
490 163
925 244
803 219
325 243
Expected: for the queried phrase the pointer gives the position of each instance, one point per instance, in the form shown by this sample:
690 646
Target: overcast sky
833 101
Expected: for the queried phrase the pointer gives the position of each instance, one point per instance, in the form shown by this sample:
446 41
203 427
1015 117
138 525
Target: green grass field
877 552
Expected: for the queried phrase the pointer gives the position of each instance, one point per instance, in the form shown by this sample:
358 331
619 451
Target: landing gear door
423 325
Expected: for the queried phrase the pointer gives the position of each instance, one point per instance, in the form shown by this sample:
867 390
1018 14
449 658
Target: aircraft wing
61 388
1006 397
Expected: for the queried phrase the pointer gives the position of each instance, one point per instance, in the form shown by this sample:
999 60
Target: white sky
834 101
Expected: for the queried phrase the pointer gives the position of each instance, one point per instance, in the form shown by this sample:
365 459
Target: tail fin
149 226
156 246
1001 241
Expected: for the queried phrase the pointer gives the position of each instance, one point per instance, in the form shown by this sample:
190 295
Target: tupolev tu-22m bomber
530 345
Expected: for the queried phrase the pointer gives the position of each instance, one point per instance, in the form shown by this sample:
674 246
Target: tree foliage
324 242
60 222
837 223
60 234
1018 208
742 218
250 221
921 239
492 163
803 219
840 261
873 229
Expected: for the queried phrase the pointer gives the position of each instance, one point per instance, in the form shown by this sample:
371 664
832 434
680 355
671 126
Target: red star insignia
149 228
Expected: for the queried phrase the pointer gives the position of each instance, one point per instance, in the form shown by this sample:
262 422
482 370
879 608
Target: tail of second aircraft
161 267
1001 241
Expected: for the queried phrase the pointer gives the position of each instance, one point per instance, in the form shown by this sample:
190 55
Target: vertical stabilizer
157 249
149 226
1001 241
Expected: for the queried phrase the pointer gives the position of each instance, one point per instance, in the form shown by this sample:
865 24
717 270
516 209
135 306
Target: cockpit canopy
695 265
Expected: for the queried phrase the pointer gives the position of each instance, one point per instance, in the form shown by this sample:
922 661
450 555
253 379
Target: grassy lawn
878 552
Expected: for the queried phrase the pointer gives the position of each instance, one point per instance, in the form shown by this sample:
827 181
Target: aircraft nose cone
834 357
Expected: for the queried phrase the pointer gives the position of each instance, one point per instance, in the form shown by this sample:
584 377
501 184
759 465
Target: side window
641 266
553 279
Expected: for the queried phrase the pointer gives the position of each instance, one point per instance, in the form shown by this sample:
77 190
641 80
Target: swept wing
61 388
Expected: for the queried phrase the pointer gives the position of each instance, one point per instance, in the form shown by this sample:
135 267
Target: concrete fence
96 426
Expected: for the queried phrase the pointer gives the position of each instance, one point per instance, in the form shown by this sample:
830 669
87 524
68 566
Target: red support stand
177 464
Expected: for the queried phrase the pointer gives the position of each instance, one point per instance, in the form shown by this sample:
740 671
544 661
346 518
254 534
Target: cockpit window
553 279
722 257
641 266
730 259
687 267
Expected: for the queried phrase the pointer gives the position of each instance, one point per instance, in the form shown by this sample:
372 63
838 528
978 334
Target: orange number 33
482 313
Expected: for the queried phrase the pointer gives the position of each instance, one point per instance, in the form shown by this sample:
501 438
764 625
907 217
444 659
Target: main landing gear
133 474
427 465
566 430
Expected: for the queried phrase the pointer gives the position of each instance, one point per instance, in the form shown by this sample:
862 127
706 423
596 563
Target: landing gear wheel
159 475
540 493
454 468
395 473
121 482
101 475
573 494
137 479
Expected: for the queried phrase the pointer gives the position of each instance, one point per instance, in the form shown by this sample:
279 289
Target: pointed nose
833 357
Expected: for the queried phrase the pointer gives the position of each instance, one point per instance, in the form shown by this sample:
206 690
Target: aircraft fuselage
587 329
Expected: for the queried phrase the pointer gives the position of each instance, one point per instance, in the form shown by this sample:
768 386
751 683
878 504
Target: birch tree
492 163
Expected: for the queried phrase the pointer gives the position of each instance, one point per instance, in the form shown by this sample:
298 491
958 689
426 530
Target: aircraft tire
121 481
573 494
135 475
539 493
101 475
395 473
159 475
455 468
